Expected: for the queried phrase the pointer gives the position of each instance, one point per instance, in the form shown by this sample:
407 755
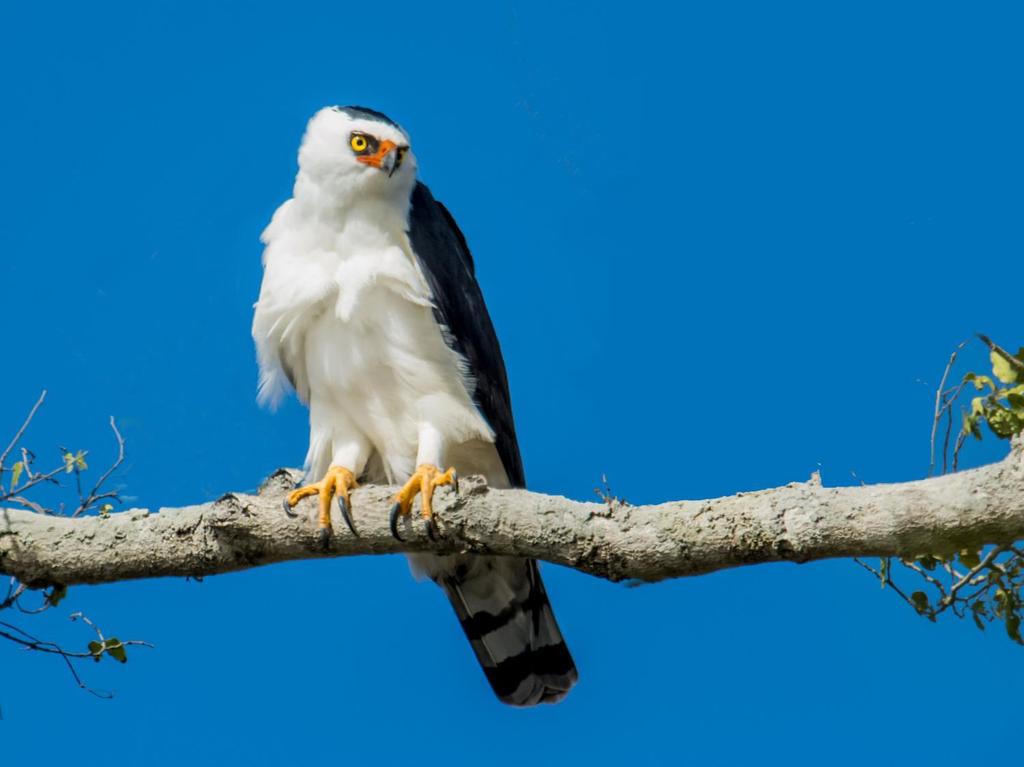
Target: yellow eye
359 143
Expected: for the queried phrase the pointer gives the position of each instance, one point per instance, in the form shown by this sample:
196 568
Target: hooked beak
388 157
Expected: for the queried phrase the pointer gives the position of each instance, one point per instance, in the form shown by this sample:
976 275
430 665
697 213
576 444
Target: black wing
459 307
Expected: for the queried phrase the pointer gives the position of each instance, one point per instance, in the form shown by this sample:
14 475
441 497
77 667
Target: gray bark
798 522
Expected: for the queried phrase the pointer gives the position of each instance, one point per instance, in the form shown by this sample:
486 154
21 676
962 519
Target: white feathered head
357 151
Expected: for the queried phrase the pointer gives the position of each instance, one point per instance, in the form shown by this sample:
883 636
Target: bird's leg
424 480
337 483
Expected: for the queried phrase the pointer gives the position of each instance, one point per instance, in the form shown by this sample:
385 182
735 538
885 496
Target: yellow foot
422 482
336 483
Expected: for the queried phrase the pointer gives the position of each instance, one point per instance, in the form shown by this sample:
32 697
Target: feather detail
504 611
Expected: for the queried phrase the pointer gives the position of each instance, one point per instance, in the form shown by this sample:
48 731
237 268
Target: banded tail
504 610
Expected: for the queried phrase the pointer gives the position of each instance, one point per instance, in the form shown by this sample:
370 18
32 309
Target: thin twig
18 435
36 479
33 611
30 505
38 645
927 576
29 479
939 405
956 449
28 459
945 440
14 592
886 580
966 579
95 494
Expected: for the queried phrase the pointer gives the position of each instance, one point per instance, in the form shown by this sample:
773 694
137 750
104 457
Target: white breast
346 312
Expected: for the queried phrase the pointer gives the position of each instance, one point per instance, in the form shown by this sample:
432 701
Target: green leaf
971 559
970 426
55 597
928 562
920 602
116 650
979 611
980 382
16 473
1000 597
1015 397
75 462
1013 628
96 649
1003 370
1003 422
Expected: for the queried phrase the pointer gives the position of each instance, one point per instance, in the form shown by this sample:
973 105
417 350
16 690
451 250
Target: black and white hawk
371 311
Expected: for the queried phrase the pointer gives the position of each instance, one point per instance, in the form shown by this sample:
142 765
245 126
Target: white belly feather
354 327
386 369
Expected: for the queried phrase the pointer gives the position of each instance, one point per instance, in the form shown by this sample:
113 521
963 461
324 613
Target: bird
370 312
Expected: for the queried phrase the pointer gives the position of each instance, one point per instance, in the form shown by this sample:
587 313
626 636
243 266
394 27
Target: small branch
927 576
886 581
14 592
21 432
967 579
945 440
942 404
35 479
31 505
95 494
29 642
960 439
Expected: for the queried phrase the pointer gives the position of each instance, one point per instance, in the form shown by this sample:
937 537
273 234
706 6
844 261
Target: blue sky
724 245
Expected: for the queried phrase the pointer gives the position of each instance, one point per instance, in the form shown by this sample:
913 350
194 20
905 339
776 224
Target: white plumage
346 311
346 316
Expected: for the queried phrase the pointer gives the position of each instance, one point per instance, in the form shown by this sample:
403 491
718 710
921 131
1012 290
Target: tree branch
798 522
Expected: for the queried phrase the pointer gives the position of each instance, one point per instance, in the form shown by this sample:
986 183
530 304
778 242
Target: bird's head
355 150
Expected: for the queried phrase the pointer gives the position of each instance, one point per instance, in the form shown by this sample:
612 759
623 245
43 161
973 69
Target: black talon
345 513
455 483
430 527
288 509
393 521
324 538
